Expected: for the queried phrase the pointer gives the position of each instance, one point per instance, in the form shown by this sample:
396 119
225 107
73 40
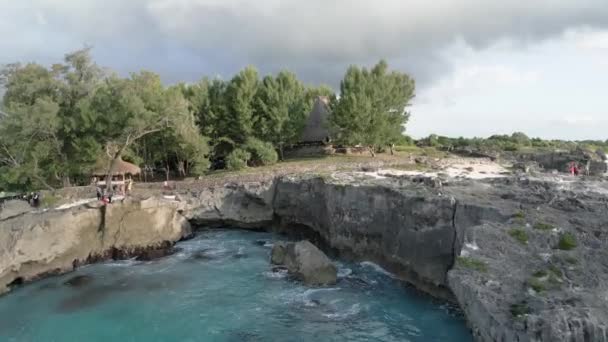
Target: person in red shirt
574 171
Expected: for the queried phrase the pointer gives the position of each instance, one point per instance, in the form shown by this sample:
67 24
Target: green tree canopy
237 122
371 109
282 108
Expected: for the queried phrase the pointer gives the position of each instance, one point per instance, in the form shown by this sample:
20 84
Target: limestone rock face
306 262
492 245
56 241
13 208
404 230
239 205
279 250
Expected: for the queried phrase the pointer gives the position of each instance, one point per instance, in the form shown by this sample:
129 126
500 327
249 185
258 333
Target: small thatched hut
121 175
122 168
316 130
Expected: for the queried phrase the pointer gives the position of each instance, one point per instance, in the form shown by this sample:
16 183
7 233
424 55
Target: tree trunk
167 170
372 151
66 181
115 158
392 147
281 152
181 167
109 189
43 182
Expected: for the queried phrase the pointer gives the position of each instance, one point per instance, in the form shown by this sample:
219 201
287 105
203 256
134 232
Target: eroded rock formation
493 245
56 241
526 258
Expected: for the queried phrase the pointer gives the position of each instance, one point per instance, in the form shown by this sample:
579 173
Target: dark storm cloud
184 39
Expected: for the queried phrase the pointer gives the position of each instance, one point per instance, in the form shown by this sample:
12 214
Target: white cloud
574 119
590 40
471 80
40 18
316 38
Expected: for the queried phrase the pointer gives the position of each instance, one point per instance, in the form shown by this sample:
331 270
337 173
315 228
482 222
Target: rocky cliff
55 241
526 259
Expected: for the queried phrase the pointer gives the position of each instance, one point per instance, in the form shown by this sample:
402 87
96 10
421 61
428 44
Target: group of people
106 196
33 198
575 169
102 196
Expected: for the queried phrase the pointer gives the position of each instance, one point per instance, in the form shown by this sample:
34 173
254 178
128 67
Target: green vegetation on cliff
472 263
517 141
66 120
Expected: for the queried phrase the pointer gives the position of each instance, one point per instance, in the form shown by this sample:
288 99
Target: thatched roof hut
120 169
316 125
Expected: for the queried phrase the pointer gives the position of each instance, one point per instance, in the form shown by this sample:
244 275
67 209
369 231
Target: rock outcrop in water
56 241
305 261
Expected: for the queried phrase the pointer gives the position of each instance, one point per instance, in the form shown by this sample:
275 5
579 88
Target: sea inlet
220 286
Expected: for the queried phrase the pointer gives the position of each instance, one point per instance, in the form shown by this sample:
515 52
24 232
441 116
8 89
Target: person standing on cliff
99 192
573 169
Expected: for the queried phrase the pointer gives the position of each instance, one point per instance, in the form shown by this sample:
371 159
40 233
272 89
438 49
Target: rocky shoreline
36 244
525 257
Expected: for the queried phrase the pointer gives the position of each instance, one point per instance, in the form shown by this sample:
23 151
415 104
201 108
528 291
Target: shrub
262 153
540 274
472 263
519 235
536 284
520 309
519 217
543 226
549 278
49 200
567 241
237 159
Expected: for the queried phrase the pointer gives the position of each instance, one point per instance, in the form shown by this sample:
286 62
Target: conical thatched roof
315 129
121 168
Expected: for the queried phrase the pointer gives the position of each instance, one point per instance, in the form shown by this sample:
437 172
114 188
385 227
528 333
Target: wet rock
79 281
279 269
156 253
306 262
357 282
260 242
202 255
277 255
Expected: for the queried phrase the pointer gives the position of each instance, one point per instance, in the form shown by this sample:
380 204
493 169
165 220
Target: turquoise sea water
220 287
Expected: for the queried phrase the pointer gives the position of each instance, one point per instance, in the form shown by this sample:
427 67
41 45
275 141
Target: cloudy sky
482 67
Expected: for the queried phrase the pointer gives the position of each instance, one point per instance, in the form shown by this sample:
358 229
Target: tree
282 107
29 144
65 85
520 139
323 90
371 109
29 133
79 77
237 122
128 109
